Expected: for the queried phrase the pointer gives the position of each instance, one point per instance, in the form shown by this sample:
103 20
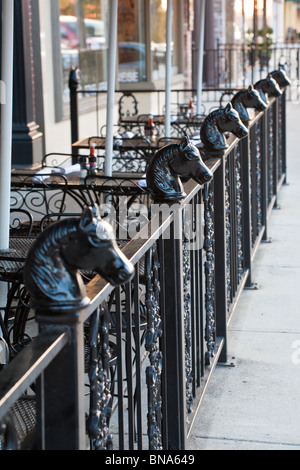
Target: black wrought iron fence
128 368
231 65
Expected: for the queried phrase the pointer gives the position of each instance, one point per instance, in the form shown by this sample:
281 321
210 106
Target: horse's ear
228 108
88 215
269 76
251 88
185 141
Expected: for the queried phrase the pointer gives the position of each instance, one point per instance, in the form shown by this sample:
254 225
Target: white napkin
39 176
119 138
128 135
70 169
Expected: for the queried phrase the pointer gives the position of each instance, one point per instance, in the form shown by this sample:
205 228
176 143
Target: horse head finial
216 125
51 272
247 98
281 77
169 164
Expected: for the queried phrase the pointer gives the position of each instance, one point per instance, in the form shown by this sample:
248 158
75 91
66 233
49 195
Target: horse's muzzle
122 272
262 107
242 132
204 177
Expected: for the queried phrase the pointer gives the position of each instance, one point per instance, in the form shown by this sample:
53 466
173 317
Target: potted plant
264 47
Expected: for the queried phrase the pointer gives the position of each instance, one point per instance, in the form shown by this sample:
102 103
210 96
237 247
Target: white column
111 79
6 120
201 55
6 130
168 68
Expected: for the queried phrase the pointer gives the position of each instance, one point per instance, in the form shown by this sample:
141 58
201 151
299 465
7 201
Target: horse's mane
239 95
41 263
211 118
261 82
157 165
208 133
156 173
54 236
165 154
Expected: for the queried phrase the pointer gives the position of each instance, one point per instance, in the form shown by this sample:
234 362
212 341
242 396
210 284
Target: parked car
94 33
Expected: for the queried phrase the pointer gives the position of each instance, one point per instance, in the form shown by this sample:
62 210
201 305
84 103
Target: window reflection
158 35
131 37
83 38
84 34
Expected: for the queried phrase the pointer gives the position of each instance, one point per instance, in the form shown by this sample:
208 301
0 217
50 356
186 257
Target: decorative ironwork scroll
228 233
209 246
187 321
152 346
280 138
271 155
98 371
239 214
258 171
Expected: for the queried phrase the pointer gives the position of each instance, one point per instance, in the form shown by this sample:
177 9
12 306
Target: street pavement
256 404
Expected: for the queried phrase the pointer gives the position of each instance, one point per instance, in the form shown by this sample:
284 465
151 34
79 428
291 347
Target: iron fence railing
129 370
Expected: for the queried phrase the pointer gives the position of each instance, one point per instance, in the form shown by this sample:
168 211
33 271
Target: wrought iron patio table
75 188
147 146
158 119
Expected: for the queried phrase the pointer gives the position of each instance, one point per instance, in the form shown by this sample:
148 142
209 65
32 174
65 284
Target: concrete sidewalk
256 405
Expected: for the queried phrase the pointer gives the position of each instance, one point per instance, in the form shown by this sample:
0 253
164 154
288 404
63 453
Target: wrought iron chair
123 200
59 160
128 105
130 154
38 193
16 310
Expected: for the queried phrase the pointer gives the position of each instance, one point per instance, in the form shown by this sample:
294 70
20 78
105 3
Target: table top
73 180
189 121
137 142
143 119
160 119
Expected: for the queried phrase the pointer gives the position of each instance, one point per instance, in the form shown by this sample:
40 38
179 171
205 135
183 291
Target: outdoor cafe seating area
44 195
63 186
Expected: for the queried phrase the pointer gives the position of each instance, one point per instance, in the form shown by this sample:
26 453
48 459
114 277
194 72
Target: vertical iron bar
264 171
275 148
246 198
120 368
60 391
137 328
129 369
253 183
174 337
220 253
73 87
283 134
163 282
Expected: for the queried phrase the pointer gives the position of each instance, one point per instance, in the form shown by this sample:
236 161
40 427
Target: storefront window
131 39
83 39
83 42
158 35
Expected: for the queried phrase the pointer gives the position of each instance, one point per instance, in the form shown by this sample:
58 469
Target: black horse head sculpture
281 77
171 162
51 270
268 86
215 125
247 98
